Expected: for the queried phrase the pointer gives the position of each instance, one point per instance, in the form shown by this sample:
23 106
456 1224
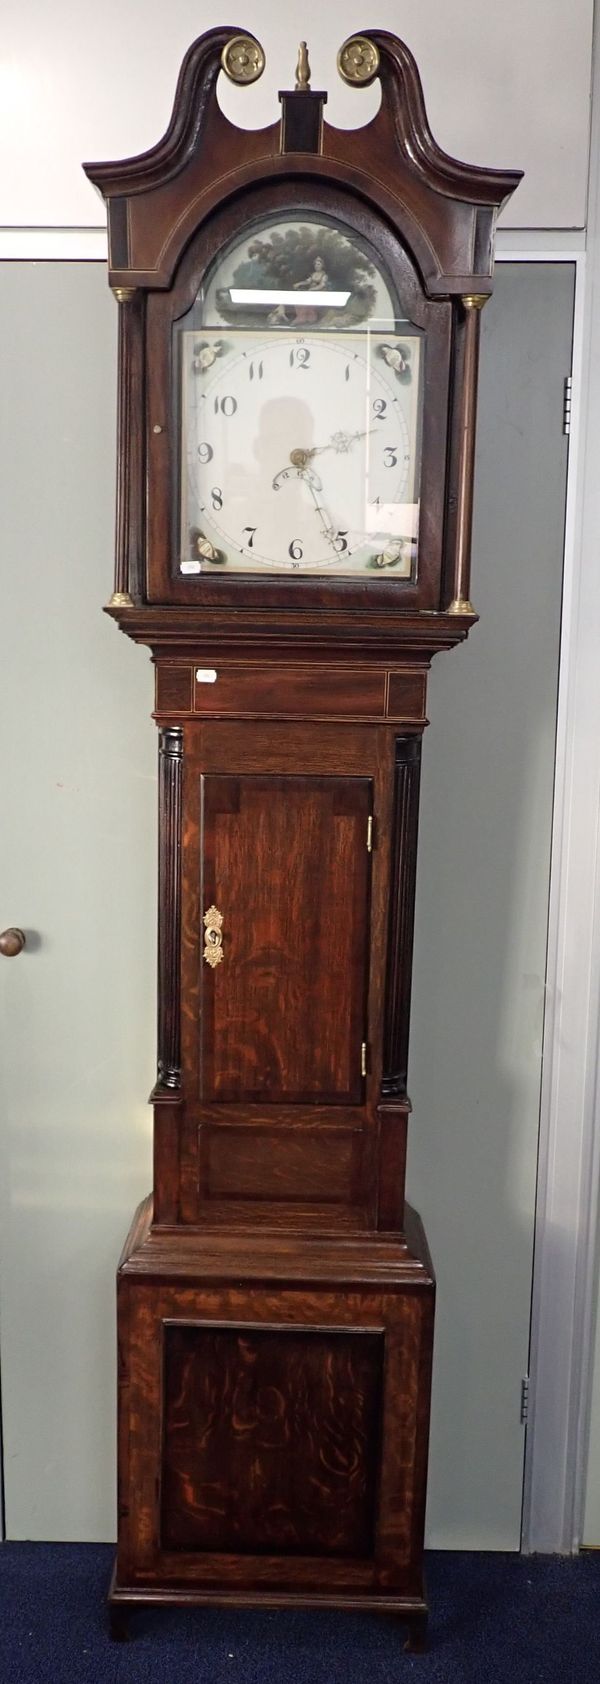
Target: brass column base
461 605
120 599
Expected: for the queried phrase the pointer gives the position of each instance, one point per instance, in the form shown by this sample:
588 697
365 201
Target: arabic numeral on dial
340 542
205 453
255 371
295 550
217 497
379 408
390 456
226 405
252 531
300 358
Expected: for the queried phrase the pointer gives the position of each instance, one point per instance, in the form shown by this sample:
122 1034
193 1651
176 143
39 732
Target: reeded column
394 1106
407 774
170 763
461 579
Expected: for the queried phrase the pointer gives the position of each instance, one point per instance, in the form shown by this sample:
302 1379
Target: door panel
281 849
298 1162
285 861
291 1418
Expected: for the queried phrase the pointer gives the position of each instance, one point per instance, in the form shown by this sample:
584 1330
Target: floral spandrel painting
303 257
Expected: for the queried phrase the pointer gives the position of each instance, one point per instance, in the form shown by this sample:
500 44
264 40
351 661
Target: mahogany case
275 1294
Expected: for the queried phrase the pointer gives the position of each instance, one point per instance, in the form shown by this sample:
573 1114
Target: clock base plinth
126 1600
273 1419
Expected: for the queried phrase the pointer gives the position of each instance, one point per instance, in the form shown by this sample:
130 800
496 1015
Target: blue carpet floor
495 1619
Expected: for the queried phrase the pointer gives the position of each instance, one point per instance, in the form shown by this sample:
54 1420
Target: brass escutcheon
213 938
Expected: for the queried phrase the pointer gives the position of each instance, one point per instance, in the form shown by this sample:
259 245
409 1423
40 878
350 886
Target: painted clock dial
299 404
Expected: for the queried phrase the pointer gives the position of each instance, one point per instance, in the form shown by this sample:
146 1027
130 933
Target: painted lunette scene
300 412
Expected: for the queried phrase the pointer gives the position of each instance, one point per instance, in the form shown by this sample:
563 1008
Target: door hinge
370 829
567 396
525 1400
363 1058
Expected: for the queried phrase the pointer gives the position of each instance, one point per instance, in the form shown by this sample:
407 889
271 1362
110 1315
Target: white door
481 917
78 873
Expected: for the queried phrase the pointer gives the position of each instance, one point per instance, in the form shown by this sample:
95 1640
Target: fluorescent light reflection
259 295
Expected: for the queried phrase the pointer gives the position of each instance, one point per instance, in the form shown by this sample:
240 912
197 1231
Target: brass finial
303 70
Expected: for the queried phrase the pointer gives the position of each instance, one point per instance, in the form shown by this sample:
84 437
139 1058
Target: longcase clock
299 320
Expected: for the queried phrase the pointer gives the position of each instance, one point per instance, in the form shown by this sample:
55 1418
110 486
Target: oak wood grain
285 859
271 1440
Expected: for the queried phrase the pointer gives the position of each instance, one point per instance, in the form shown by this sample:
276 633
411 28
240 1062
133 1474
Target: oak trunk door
286 865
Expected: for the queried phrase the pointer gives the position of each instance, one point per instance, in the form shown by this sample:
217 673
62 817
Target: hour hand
341 442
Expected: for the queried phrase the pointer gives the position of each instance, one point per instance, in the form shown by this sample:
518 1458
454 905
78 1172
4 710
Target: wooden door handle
12 943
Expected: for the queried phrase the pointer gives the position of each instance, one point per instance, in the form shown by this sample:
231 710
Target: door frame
565 1282
567 1209
566 1228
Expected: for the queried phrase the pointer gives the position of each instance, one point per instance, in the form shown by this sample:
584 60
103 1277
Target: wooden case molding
275 1295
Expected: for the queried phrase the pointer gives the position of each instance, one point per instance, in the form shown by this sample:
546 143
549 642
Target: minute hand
322 513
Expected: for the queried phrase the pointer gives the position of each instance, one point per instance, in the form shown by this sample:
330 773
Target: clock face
300 438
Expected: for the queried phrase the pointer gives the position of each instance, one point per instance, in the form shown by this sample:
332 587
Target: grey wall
482 915
78 869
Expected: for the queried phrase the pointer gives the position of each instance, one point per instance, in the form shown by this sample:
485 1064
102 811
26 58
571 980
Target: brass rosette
243 59
358 61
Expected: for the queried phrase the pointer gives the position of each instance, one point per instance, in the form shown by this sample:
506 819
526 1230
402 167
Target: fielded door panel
285 863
